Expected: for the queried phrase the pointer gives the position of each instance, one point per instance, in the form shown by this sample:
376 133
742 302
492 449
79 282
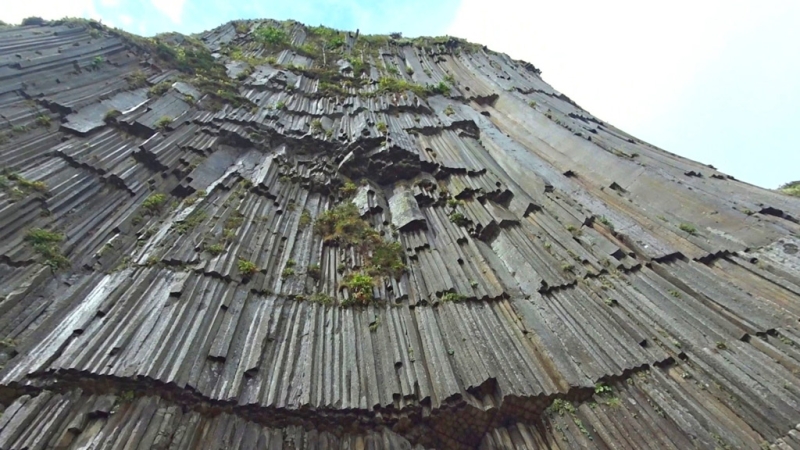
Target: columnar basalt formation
278 236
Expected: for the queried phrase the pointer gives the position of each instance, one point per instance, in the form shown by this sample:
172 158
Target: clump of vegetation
246 268
449 111
314 271
126 397
305 219
373 327
316 126
454 202
440 88
241 27
280 105
287 272
532 104
187 54
25 185
381 127
601 389
111 115
97 62
233 222
453 297
388 84
154 202
348 189
792 188
560 407
215 249
387 259
163 122
194 219
136 79
689 228
606 222
271 35
322 298
459 219
43 120
344 226
46 244
360 286
33 20
159 89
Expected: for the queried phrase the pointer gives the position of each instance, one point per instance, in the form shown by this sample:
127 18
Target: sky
717 81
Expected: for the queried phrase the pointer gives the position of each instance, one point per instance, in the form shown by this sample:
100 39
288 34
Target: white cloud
622 60
170 8
15 11
125 19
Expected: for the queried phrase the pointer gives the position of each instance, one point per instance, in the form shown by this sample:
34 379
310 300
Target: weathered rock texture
566 284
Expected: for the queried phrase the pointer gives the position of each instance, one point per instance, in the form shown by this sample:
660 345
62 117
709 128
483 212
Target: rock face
276 236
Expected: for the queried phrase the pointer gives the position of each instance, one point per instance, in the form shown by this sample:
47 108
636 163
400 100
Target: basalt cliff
270 235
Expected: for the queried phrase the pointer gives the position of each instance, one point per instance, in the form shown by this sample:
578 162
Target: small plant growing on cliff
453 297
126 397
792 188
46 244
449 111
136 79
316 126
33 20
305 219
111 115
215 249
280 105
25 184
154 202
271 35
314 271
348 189
601 389
43 121
606 222
360 286
157 90
459 219
163 122
387 259
453 202
441 88
689 228
381 127
246 268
